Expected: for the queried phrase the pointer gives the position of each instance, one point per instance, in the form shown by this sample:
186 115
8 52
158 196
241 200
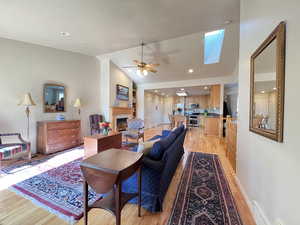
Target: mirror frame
279 33
44 95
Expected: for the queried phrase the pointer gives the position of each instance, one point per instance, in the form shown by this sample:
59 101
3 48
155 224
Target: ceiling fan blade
152 70
128 67
154 64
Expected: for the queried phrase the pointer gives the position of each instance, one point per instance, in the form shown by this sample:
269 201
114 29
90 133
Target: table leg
139 191
85 202
118 193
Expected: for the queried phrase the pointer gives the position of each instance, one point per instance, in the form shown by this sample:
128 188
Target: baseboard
256 211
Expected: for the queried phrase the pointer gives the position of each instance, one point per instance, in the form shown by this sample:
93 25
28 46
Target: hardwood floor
15 210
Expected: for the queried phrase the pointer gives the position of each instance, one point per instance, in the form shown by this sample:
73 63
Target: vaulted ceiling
102 26
96 27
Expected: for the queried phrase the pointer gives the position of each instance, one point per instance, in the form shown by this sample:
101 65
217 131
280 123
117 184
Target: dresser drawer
63 139
61 146
62 125
54 134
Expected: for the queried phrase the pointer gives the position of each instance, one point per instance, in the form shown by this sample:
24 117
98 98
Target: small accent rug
203 196
53 183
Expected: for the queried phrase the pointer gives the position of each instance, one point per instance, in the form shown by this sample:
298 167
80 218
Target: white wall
26 67
154 110
269 171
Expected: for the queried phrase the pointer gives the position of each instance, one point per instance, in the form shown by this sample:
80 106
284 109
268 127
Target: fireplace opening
121 124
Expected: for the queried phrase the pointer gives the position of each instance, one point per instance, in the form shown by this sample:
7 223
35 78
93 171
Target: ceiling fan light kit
143 68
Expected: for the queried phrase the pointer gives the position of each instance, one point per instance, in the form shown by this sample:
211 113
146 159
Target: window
213 42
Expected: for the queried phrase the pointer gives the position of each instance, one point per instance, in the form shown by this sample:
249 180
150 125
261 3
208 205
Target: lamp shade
77 103
27 100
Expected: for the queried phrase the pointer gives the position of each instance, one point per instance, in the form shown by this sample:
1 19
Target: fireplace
121 124
120 115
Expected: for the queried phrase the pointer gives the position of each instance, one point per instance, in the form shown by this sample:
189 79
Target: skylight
213 42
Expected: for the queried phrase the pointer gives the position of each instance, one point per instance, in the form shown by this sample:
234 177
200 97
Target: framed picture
122 92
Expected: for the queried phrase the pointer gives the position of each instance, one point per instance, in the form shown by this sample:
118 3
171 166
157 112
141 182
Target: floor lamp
27 102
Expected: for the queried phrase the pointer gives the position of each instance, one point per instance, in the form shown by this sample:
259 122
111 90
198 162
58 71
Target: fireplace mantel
117 111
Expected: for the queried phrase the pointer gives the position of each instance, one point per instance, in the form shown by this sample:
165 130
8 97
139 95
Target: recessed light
191 71
226 22
64 34
182 89
181 94
262 92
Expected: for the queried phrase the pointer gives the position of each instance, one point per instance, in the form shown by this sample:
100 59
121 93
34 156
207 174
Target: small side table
105 172
99 142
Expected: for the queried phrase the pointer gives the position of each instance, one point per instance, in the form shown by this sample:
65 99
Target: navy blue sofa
158 169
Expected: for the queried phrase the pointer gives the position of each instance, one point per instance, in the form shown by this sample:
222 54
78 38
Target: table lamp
77 104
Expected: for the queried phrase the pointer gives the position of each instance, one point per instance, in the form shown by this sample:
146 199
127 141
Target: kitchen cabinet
215 94
202 100
231 133
212 126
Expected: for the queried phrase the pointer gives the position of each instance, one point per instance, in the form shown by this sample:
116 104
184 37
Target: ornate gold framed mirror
267 78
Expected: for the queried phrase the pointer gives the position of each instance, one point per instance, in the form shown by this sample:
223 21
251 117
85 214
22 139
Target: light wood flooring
15 210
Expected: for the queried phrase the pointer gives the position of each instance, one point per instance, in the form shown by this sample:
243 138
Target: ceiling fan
142 67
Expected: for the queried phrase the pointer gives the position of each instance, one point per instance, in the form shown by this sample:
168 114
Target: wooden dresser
54 136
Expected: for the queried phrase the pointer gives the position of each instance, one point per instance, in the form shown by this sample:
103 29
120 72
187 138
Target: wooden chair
172 122
9 150
135 129
95 119
180 120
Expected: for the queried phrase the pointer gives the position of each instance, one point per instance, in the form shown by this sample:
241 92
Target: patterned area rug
53 183
203 196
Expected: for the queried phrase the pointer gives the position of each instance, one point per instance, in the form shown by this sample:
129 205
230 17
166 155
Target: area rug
203 196
57 189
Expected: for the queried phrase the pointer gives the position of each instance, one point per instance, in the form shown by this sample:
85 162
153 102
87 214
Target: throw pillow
157 151
145 147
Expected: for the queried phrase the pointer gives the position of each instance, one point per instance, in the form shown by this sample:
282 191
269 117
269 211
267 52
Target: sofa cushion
167 141
159 147
178 130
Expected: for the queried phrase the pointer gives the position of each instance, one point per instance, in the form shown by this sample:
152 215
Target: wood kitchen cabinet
231 145
215 96
212 126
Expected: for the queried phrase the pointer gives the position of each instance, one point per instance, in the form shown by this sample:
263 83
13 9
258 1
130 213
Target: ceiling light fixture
262 92
181 94
226 22
274 88
64 34
141 72
191 71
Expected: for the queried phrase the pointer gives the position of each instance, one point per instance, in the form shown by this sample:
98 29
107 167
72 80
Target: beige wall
269 171
154 109
117 76
26 67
